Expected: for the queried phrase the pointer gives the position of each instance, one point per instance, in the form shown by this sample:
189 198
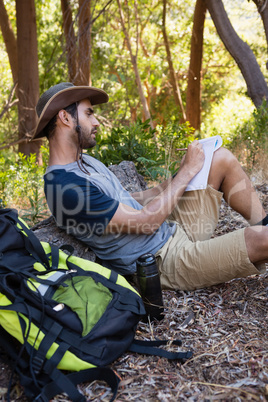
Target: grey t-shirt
83 204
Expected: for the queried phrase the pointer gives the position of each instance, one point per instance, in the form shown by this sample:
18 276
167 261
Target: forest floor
226 328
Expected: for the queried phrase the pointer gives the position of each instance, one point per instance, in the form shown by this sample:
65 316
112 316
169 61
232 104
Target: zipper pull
59 307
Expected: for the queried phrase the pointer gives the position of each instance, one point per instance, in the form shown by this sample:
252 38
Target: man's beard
88 141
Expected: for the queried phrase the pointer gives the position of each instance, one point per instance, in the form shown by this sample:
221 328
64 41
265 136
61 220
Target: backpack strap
55 255
67 383
46 343
64 335
7 344
32 243
37 362
20 365
60 382
150 348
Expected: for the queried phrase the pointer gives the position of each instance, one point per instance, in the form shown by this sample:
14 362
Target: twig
14 143
228 387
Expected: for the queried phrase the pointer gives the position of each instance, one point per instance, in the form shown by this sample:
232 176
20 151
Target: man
88 201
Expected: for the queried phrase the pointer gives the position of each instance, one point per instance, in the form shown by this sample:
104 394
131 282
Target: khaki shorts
191 259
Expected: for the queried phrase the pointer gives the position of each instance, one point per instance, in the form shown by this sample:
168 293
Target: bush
21 186
250 141
152 151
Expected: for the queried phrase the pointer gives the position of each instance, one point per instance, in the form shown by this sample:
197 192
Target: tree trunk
10 41
240 51
135 67
262 7
193 97
70 40
174 83
84 43
28 78
264 16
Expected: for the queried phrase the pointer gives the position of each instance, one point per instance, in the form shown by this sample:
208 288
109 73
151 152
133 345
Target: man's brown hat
59 97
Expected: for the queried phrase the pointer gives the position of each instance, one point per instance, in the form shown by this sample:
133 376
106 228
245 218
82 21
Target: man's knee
223 158
256 238
223 162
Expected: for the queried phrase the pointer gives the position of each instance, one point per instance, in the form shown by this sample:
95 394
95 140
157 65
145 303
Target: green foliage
51 46
152 151
236 109
250 140
21 186
170 138
37 210
111 67
129 143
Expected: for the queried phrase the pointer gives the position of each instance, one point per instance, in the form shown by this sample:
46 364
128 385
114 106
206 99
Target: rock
48 231
128 176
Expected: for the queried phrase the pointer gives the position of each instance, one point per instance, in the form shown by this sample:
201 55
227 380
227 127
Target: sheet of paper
210 145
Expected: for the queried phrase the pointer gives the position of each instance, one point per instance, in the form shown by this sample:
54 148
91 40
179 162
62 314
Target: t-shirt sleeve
78 205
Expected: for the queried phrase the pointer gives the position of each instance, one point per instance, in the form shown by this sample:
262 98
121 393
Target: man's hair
49 131
51 126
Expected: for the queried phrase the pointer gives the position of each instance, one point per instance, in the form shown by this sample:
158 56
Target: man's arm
143 197
147 220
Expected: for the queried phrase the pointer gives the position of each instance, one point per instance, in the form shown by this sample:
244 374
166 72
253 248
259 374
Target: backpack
69 317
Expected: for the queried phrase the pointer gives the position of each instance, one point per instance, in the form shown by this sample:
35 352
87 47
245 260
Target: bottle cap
146 265
146 259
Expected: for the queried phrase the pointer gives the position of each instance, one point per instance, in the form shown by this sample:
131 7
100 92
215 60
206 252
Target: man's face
88 122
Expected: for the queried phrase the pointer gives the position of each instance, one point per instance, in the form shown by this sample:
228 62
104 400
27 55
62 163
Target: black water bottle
149 286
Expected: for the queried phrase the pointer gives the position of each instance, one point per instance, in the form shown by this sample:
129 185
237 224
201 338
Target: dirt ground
226 328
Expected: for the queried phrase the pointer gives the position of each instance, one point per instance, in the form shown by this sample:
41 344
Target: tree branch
173 80
101 11
9 102
240 51
11 144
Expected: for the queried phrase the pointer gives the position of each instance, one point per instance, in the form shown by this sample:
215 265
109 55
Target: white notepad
210 145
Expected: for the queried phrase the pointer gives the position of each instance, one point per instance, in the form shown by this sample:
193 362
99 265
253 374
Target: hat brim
64 98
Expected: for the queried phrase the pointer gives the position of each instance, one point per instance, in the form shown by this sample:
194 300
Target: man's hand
194 158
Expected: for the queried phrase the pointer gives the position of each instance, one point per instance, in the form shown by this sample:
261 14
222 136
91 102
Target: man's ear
64 117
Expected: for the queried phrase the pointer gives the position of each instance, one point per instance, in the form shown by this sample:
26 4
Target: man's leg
188 265
257 244
196 264
227 176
